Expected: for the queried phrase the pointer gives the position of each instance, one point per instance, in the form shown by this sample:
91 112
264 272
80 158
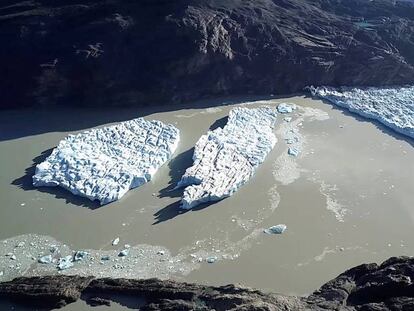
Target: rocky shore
139 53
368 287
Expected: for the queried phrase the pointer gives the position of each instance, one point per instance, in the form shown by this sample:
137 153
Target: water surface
346 199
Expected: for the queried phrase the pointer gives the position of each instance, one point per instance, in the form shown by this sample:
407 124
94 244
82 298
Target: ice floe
65 263
293 151
103 164
393 107
226 158
278 229
46 259
286 108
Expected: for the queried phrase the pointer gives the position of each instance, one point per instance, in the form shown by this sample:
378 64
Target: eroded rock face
388 286
95 53
103 164
226 158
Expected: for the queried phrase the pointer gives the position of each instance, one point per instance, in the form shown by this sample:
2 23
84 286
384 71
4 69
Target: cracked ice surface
225 159
103 164
393 107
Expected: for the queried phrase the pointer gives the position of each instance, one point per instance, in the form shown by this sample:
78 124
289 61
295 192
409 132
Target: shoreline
387 286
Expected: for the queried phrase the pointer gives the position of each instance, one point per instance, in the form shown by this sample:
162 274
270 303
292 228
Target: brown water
347 198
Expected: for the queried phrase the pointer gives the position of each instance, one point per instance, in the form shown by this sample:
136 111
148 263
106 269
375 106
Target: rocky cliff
367 287
114 53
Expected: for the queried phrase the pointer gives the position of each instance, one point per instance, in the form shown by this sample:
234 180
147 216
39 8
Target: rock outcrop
113 53
367 287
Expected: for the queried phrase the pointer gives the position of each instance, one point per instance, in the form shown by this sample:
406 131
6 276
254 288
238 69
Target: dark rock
45 291
366 287
113 53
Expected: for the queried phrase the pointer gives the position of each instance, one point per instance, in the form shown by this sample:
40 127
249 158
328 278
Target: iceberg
103 164
65 262
286 108
46 259
226 158
393 107
293 151
278 229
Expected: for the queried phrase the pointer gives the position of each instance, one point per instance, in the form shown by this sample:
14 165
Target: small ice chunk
46 259
278 229
286 108
124 252
65 263
20 244
293 151
115 242
160 252
80 255
211 259
105 258
287 119
1 273
13 257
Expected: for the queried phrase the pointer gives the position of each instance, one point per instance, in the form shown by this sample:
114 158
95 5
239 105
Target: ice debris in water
212 259
393 107
293 151
65 263
115 242
103 164
124 252
286 108
46 259
80 255
278 229
226 158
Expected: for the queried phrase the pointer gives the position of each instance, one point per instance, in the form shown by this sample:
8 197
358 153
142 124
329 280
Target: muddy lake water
346 199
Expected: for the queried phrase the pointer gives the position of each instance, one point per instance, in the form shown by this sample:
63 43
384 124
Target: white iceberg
65 263
226 158
286 108
293 151
46 259
103 164
278 229
393 107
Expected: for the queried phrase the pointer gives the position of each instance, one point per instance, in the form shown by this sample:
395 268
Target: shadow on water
26 122
360 118
177 167
173 210
25 182
220 123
